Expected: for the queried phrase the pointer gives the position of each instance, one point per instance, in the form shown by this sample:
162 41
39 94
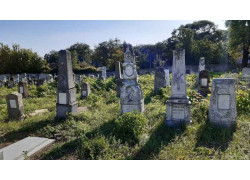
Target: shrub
41 91
243 102
130 126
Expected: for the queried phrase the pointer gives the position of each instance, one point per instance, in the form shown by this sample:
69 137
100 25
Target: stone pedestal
85 90
15 106
178 105
222 110
23 89
131 95
66 91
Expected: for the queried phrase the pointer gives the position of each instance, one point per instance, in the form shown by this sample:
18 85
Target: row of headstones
11 81
222 110
222 106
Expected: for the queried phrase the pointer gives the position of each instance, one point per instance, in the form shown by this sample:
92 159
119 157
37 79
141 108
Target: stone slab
30 145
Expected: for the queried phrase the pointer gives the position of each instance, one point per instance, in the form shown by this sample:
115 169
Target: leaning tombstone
85 90
66 91
23 89
204 80
178 105
222 110
160 80
15 106
131 94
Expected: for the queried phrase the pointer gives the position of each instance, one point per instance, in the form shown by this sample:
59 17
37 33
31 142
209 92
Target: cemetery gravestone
201 67
204 82
178 105
23 89
104 76
15 106
66 91
222 110
11 82
160 80
131 97
85 90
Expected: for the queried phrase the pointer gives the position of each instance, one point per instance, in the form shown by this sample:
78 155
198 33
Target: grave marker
222 110
23 89
85 90
178 105
15 106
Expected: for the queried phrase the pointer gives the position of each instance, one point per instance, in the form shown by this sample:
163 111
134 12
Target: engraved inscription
204 82
13 104
62 98
224 101
178 113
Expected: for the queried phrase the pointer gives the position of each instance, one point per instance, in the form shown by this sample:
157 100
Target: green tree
239 37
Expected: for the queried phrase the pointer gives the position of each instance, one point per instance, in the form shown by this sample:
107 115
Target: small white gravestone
13 104
62 98
21 90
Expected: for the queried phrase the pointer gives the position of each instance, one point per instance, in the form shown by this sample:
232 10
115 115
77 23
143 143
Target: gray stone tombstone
15 106
85 90
11 82
204 81
118 70
104 74
178 105
66 91
160 80
222 110
23 89
131 97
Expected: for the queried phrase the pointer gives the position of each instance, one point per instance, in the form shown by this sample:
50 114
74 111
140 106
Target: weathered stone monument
85 90
204 80
222 110
104 76
66 91
131 97
15 106
118 70
178 105
23 89
160 80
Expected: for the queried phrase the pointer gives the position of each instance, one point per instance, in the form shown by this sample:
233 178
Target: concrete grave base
132 106
24 147
62 109
178 112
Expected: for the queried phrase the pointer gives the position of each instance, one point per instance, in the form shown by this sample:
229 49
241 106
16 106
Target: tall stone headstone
15 106
104 76
160 80
178 105
85 90
222 110
118 70
23 89
204 81
131 97
66 91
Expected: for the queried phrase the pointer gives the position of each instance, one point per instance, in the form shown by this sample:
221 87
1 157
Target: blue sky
44 36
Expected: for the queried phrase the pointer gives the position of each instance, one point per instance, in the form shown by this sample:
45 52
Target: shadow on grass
27 130
161 136
62 151
217 137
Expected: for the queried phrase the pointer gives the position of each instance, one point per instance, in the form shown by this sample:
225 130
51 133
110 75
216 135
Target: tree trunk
245 57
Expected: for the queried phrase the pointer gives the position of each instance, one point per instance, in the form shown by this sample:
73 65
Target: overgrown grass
94 134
